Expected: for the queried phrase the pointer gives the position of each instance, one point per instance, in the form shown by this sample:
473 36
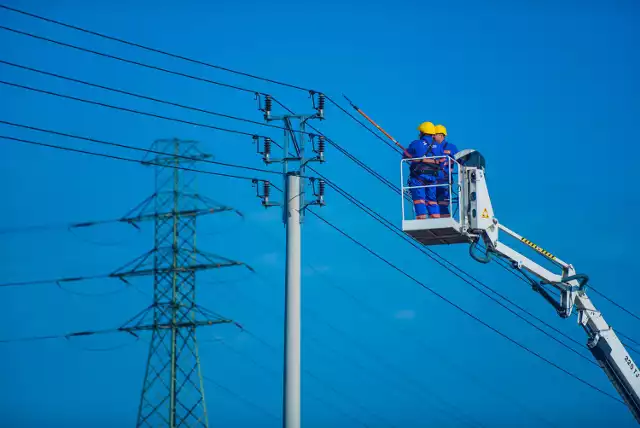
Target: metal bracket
319 194
266 193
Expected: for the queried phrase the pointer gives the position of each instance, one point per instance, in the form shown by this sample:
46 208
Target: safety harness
422 168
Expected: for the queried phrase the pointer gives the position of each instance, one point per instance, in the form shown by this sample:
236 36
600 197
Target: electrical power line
57 280
53 146
430 350
313 314
374 133
102 35
128 61
56 336
122 274
371 171
451 264
515 272
619 306
393 187
128 110
120 330
181 168
246 120
388 367
629 339
131 330
278 375
434 255
387 182
134 44
139 149
524 279
346 153
144 97
362 165
150 49
131 220
126 220
322 382
241 398
172 55
166 70
464 311
621 334
455 270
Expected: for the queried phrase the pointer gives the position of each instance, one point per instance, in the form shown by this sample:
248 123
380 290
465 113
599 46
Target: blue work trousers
424 198
443 198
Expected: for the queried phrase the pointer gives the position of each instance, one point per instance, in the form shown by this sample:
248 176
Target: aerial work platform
436 231
472 221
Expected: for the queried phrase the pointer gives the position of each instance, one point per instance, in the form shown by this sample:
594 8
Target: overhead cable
139 149
46 19
525 280
145 97
441 260
464 311
241 398
150 49
137 63
619 306
121 158
450 267
364 125
129 110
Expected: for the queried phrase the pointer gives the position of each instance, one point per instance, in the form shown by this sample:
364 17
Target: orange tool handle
378 127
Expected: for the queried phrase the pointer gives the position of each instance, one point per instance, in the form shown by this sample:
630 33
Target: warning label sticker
485 213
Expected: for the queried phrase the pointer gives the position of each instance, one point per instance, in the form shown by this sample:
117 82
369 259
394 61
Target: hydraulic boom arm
602 340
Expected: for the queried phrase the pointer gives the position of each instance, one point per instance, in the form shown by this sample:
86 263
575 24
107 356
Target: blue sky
546 90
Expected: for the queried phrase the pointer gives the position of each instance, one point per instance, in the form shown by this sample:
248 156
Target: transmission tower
173 390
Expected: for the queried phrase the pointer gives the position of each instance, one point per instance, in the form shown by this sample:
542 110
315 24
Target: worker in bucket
449 150
424 172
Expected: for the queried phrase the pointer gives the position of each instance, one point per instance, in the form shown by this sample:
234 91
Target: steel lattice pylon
173 390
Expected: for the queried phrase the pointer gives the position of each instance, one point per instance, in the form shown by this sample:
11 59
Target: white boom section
476 221
603 341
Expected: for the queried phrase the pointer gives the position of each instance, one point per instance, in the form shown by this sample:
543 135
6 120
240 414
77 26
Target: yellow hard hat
427 128
440 129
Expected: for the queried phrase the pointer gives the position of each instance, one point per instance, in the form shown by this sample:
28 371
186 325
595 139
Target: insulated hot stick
378 127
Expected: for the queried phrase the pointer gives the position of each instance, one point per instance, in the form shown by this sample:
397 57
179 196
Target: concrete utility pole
293 215
292 305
